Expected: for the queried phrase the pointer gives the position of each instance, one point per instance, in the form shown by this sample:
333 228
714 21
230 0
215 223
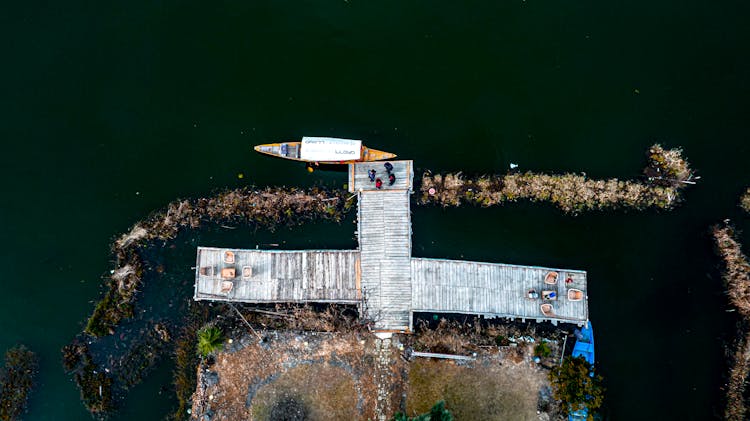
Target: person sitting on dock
388 167
371 174
391 179
379 183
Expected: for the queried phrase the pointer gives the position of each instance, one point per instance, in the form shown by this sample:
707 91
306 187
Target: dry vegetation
667 172
737 281
667 166
736 268
304 317
736 409
464 338
745 201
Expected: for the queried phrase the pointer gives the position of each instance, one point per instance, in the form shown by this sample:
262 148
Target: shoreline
279 366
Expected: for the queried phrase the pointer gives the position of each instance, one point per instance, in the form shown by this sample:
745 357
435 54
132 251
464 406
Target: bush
501 340
210 340
437 413
542 350
573 384
745 200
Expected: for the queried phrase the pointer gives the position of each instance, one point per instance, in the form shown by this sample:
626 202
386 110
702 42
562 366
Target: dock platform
497 290
359 179
382 277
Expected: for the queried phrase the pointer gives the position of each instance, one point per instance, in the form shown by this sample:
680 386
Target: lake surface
111 111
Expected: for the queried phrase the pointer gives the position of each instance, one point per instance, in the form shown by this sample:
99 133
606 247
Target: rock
211 378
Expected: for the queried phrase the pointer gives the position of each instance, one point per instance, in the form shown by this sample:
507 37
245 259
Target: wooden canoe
294 151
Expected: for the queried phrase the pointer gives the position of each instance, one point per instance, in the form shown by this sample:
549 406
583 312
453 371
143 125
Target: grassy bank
666 173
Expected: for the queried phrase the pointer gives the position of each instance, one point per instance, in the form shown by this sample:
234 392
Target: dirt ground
332 376
310 376
489 388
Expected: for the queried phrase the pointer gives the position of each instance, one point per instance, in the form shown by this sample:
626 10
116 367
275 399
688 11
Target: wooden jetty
384 233
382 277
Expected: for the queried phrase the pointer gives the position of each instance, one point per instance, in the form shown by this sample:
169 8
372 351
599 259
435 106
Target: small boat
324 150
584 347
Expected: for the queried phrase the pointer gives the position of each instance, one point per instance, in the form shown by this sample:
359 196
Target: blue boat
584 347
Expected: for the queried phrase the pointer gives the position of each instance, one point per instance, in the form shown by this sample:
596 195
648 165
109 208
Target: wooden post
562 353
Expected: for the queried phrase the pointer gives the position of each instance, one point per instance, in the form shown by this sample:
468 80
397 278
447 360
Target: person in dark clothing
391 179
371 174
379 183
388 167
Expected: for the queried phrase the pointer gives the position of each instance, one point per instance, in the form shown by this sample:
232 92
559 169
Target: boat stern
286 150
268 148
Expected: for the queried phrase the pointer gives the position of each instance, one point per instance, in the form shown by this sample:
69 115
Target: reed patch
666 174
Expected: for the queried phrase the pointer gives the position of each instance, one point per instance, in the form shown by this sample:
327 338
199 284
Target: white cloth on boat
323 149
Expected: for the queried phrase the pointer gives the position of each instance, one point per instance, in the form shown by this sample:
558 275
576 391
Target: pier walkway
384 234
382 277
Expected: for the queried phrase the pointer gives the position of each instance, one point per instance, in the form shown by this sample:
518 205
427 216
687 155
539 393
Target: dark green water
110 111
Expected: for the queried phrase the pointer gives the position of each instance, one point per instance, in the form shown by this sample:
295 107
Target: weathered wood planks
359 178
494 290
280 276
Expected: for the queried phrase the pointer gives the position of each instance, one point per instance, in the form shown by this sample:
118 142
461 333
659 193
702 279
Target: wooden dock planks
384 227
279 276
359 178
494 290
